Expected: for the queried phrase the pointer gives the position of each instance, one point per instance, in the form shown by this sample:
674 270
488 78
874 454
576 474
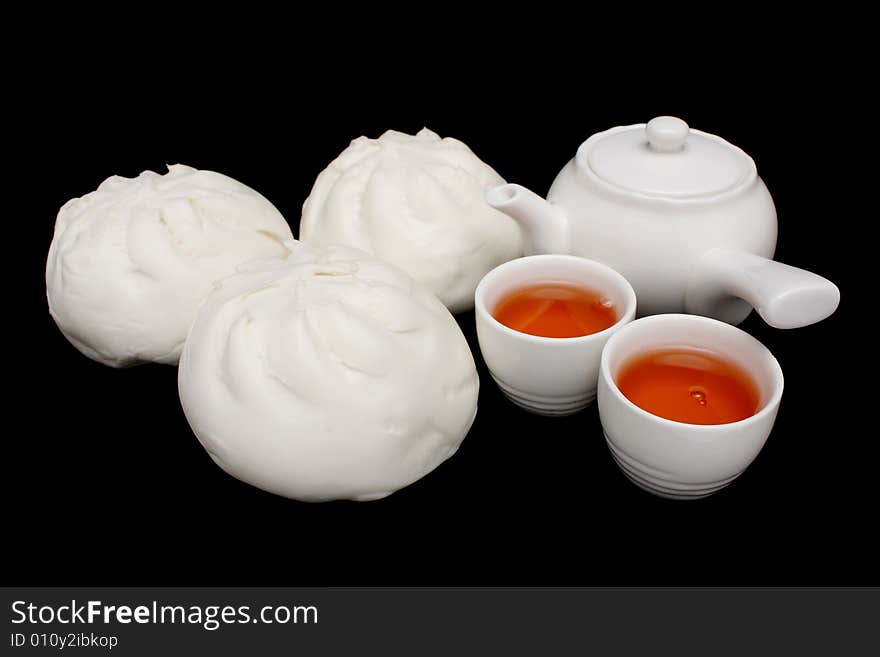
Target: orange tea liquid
555 310
689 385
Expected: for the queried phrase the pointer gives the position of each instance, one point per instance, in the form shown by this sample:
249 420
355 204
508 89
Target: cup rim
769 407
625 317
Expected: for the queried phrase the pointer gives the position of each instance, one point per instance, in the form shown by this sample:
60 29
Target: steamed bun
131 262
418 203
327 375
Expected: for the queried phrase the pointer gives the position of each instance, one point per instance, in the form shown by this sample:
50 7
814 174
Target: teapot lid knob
667 134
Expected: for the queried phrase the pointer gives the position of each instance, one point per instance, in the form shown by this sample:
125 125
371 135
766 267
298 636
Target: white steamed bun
328 375
130 262
418 203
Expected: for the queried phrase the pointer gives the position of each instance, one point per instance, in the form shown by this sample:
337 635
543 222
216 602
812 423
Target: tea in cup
686 402
542 322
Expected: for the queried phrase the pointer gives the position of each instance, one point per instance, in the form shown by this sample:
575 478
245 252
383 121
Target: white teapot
682 214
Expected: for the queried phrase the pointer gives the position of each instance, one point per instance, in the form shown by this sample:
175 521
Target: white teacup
548 376
674 459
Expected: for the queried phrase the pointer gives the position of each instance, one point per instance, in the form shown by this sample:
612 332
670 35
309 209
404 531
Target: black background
105 483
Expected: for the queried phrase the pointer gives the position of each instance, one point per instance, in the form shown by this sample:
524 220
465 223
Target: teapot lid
666 158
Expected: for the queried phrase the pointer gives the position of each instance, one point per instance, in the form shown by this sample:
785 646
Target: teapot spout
544 226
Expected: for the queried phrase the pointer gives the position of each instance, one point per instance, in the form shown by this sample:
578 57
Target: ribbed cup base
552 406
649 479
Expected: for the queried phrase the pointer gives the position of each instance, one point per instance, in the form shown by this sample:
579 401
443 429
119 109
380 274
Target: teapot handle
786 297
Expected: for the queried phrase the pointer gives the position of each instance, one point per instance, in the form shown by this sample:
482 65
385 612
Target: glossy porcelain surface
548 376
681 214
672 459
